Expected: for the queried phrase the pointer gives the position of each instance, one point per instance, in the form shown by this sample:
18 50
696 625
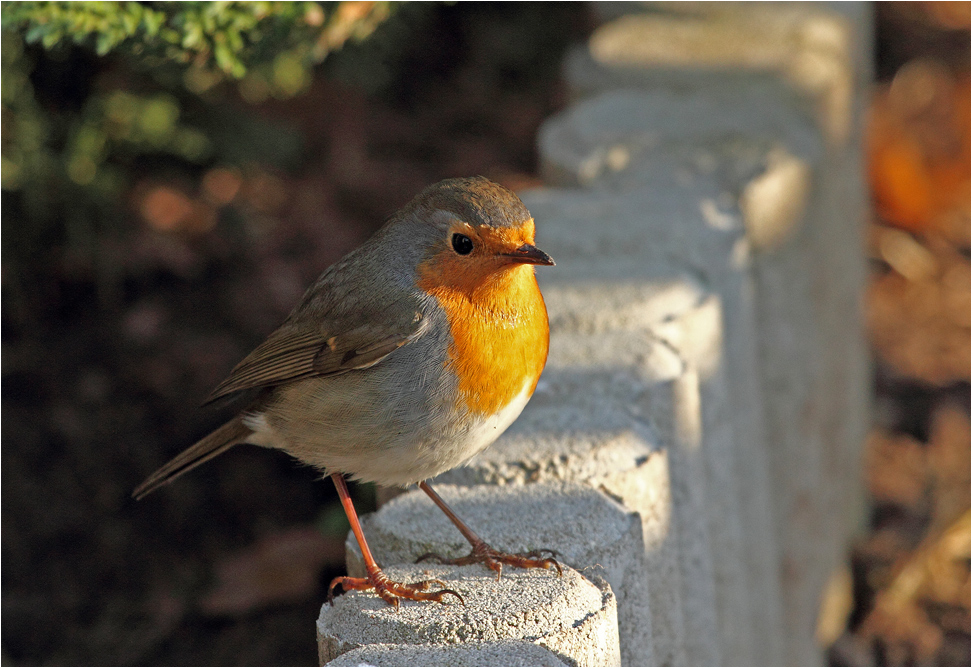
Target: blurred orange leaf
900 182
919 147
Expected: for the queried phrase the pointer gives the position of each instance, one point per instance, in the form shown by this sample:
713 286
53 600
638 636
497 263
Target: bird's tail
219 440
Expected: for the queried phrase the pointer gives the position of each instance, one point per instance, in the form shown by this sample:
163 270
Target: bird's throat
499 337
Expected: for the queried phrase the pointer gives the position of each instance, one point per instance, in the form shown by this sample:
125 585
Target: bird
403 360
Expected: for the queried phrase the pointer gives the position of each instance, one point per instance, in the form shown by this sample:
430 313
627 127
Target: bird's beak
528 254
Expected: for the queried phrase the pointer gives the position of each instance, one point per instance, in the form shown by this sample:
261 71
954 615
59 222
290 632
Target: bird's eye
462 244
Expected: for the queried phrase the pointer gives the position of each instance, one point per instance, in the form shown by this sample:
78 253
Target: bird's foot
494 559
391 591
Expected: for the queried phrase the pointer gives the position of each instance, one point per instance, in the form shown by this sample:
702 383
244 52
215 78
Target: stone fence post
692 450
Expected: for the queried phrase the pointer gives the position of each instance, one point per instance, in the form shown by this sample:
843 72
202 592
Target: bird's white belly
483 431
442 452
450 442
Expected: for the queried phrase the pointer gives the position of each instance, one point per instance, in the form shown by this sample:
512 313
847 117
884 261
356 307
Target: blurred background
175 174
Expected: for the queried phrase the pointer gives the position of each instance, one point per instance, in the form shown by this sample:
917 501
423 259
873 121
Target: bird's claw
494 559
391 591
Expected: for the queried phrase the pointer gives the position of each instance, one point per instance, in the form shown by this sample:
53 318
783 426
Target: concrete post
589 532
785 83
570 616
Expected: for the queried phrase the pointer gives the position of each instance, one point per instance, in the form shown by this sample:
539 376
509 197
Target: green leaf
130 20
51 39
103 44
35 33
152 21
227 60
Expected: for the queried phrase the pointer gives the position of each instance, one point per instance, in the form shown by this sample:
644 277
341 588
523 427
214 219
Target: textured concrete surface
763 101
803 53
589 531
718 463
570 616
662 237
496 654
622 139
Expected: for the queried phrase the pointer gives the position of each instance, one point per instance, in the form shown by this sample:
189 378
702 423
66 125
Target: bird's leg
386 588
482 551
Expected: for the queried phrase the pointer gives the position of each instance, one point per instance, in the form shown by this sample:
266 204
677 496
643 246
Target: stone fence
692 450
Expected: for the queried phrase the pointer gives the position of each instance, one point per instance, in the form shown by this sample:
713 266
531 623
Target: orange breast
500 336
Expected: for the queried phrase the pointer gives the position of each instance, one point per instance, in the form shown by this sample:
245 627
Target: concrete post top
805 50
590 532
629 139
566 517
569 615
511 653
720 35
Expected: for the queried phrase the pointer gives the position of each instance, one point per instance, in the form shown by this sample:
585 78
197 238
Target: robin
403 360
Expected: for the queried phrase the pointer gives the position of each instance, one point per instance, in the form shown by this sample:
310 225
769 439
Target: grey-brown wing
302 349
